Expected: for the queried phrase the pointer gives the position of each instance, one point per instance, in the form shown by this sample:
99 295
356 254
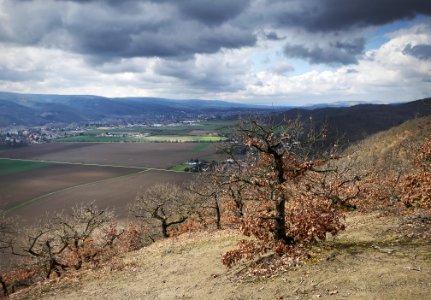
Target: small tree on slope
279 210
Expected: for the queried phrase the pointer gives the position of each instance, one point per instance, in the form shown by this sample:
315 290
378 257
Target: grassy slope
410 132
10 166
368 261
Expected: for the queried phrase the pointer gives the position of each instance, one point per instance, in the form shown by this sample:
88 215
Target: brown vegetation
86 238
288 193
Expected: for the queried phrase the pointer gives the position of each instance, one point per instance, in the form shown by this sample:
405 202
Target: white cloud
385 74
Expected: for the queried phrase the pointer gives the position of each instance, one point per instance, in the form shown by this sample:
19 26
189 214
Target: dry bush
67 242
86 238
286 193
416 186
7 237
388 158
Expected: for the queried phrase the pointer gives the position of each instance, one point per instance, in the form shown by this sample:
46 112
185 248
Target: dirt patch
116 194
153 155
23 186
368 261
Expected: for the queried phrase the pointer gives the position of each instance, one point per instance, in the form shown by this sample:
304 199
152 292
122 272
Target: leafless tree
67 241
207 190
163 207
7 237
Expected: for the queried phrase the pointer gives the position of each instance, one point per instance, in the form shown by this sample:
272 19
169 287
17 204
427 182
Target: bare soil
372 259
115 194
152 155
23 186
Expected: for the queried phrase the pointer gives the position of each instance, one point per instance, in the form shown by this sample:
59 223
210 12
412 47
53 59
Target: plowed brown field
24 186
152 155
59 187
115 193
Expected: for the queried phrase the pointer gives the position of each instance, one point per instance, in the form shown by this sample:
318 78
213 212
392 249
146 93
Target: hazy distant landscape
111 163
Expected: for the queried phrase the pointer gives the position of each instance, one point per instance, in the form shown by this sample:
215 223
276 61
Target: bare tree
208 190
69 241
7 236
163 207
7 232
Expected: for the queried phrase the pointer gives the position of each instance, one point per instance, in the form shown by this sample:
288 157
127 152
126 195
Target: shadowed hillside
357 122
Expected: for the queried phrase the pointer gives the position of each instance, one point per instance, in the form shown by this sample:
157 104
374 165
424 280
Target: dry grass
373 259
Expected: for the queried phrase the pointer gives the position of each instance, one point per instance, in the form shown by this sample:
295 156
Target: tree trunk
280 224
218 212
4 286
164 229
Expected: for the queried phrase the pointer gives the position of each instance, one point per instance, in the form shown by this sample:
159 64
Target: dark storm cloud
273 36
152 29
106 30
421 51
206 11
334 53
168 42
211 12
340 15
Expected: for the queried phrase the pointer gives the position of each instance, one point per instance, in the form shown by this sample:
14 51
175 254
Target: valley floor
372 259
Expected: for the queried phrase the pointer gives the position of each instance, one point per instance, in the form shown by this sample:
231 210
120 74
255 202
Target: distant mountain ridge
342 118
35 109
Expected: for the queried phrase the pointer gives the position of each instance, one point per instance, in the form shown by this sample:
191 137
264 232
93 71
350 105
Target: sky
274 52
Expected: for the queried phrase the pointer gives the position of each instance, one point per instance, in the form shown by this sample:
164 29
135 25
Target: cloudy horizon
253 51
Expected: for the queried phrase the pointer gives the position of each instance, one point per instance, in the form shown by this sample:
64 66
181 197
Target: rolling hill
356 122
352 123
32 109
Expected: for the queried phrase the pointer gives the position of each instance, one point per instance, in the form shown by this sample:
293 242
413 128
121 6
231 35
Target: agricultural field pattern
54 177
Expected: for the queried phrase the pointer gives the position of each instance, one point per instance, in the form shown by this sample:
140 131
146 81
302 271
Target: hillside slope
351 124
372 259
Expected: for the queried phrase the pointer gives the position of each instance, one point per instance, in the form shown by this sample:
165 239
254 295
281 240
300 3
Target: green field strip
12 166
180 168
199 147
27 202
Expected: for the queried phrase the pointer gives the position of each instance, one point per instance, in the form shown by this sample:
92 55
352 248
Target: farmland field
150 155
8 166
115 193
202 128
57 176
20 187
145 139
